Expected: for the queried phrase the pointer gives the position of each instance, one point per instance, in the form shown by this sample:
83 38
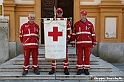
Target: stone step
60 75
43 61
59 68
43 56
69 56
102 66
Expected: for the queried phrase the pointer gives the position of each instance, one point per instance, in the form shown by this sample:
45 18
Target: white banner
55 39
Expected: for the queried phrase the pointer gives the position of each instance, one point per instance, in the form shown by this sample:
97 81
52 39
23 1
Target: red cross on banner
55 34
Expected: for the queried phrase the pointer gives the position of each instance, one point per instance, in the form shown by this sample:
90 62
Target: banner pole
54 12
55 70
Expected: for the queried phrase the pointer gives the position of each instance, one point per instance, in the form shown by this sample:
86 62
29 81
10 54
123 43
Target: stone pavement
42 81
119 66
57 81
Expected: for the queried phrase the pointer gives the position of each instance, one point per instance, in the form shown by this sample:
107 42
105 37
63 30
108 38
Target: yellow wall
111 8
122 31
0 9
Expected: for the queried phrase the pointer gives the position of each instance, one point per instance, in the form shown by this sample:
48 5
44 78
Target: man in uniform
83 33
29 37
59 13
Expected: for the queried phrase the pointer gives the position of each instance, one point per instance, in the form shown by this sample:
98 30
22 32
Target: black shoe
79 71
25 72
36 71
52 71
86 72
66 71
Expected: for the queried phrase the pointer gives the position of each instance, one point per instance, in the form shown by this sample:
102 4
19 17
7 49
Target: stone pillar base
111 52
4 39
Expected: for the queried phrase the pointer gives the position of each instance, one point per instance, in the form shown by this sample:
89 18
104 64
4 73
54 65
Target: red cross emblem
55 34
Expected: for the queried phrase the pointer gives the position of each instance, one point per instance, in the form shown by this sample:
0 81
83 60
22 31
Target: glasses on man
59 12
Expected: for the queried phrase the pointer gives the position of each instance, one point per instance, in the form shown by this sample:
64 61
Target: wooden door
67 6
47 11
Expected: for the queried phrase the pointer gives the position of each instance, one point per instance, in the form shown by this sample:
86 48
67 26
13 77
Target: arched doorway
47 10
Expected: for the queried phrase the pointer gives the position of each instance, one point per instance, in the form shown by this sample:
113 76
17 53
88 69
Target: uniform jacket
83 33
29 35
68 30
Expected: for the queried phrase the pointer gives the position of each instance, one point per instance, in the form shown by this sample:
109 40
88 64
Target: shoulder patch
89 24
26 25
